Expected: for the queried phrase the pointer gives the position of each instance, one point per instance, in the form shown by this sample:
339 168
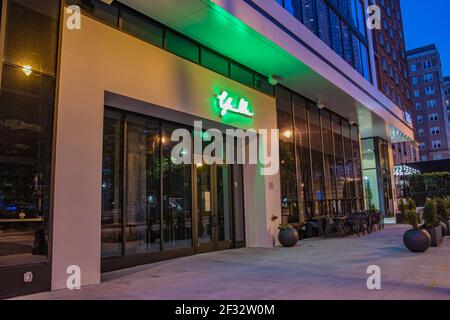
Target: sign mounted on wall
229 104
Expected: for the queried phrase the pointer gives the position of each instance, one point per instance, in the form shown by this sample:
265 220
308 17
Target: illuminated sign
229 104
403 170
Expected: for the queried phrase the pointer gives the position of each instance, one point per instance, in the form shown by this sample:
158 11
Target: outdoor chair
312 226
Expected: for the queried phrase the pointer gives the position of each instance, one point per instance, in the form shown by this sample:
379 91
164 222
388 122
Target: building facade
392 71
91 103
447 105
430 112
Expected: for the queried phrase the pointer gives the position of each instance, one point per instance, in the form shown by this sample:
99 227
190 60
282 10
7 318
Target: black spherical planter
444 229
288 237
417 240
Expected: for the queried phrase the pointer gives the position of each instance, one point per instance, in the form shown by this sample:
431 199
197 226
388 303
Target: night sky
427 22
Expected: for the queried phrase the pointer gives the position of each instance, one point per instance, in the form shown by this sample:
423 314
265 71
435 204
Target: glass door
214 207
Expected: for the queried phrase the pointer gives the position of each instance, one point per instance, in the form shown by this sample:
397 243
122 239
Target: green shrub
412 218
430 214
402 207
411 204
441 207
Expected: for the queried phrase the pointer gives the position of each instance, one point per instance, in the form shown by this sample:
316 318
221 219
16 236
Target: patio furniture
314 225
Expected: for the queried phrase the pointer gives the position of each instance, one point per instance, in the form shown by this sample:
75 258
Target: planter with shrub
400 217
442 211
415 239
432 223
288 236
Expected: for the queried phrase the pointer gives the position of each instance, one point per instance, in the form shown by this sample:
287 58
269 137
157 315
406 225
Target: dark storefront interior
320 160
148 202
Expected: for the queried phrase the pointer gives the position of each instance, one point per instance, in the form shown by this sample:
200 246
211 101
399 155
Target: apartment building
430 111
392 71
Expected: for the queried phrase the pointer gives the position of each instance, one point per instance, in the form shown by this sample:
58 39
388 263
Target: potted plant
441 206
288 235
402 208
431 224
415 239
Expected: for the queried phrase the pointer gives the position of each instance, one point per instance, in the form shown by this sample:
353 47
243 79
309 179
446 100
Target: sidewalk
316 269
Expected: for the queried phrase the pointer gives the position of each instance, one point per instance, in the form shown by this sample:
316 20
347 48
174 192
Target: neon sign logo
228 104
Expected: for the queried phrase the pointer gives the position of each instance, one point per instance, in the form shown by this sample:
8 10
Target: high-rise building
430 111
392 71
90 108
447 105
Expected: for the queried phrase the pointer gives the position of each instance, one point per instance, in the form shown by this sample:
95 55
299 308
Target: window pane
336 38
112 191
177 223
32 34
357 55
141 28
289 199
263 85
324 26
329 170
143 214
350 181
317 160
241 75
347 40
26 131
214 62
303 156
182 47
309 15
340 164
357 162
293 6
365 63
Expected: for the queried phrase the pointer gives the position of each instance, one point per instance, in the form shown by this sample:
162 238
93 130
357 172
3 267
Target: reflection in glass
288 177
112 185
204 210
26 126
143 213
177 213
224 202
317 160
32 34
303 156
329 170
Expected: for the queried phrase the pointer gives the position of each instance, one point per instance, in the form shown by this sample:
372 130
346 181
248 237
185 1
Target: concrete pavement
315 269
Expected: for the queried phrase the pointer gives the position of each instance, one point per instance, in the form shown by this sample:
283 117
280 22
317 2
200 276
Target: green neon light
228 104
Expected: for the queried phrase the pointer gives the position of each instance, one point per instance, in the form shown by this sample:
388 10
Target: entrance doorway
154 209
214 207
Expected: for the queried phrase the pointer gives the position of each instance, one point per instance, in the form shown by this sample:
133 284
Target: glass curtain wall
377 174
338 23
28 77
151 210
320 160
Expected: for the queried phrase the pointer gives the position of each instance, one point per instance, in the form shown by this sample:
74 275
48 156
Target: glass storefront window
289 206
329 170
32 34
176 200
340 162
303 156
317 160
143 214
327 162
26 131
112 185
